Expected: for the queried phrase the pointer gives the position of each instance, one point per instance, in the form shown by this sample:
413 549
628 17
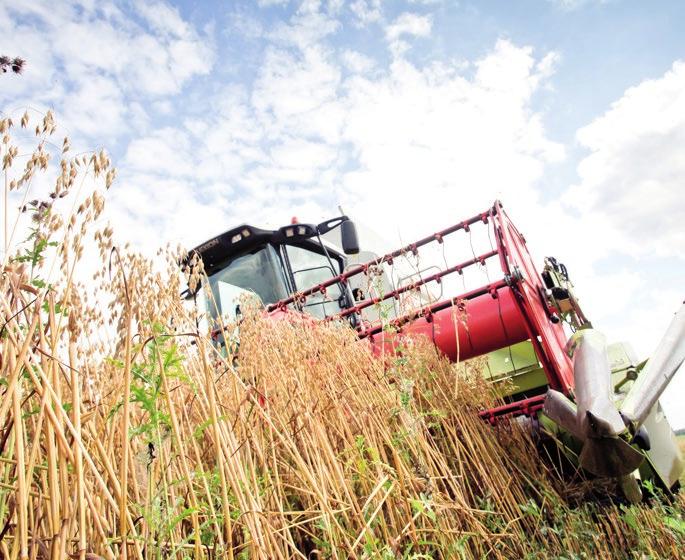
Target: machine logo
211 243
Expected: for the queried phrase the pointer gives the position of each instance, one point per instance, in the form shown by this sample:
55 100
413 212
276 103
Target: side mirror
348 236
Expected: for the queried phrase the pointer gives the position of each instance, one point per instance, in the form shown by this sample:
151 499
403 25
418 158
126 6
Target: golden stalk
80 484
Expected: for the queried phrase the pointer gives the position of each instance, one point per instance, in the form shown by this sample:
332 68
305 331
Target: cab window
258 272
309 269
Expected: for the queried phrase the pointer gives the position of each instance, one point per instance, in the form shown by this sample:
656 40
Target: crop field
125 433
681 442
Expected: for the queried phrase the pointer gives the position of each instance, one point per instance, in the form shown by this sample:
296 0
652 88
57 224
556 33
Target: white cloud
307 27
293 88
404 26
634 174
92 63
152 210
96 109
366 11
430 140
305 136
269 3
164 18
357 62
571 5
245 24
164 153
139 60
302 154
407 25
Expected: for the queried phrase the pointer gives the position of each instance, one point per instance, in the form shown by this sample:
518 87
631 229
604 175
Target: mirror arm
328 225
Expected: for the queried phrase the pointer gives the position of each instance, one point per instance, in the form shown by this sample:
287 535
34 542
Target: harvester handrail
368 302
387 258
427 310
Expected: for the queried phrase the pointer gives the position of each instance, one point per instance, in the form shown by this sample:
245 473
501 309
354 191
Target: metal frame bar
388 258
417 284
428 310
527 407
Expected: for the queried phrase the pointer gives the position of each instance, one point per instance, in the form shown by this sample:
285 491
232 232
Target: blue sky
410 114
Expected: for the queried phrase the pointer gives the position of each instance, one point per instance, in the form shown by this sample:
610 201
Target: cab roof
232 242
241 239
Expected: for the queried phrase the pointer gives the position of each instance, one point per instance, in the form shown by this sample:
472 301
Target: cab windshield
309 269
259 273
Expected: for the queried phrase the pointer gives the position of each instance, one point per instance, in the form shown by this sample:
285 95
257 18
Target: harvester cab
272 265
481 295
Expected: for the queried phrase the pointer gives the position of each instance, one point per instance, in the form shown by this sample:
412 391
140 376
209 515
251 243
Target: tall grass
124 433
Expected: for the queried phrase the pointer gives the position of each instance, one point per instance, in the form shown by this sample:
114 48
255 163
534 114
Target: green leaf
675 523
629 518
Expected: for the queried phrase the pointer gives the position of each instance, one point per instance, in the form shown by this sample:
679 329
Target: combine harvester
555 372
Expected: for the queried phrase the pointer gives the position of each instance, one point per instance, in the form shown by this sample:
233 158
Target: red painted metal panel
549 339
473 328
527 407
